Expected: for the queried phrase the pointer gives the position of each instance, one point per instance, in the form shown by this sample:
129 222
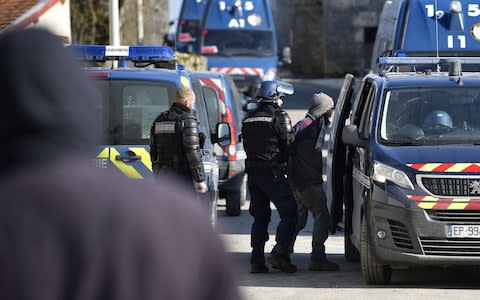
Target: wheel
351 252
235 199
373 272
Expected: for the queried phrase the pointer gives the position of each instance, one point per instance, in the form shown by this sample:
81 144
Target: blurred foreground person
175 141
71 231
305 177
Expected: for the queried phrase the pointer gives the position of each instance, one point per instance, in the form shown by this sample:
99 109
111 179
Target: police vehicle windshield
431 116
133 106
240 42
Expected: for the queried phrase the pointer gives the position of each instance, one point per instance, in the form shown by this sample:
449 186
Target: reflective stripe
446 167
445 203
145 155
239 70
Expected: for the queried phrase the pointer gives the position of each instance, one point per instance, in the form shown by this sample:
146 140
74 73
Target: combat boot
282 263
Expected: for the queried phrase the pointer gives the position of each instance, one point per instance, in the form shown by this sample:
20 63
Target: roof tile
10 10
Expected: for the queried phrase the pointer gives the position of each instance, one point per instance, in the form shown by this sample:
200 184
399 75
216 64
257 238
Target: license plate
463 231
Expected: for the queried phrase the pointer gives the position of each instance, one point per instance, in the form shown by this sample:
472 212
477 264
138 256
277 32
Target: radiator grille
400 235
459 187
455 216
451 247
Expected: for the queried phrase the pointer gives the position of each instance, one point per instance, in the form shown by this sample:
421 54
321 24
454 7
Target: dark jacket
175 143
305 161
267 135
71 231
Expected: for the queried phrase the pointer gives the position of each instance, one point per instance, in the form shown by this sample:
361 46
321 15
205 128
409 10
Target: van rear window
133 107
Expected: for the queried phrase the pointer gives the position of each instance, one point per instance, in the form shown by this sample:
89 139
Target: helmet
437 120
272 90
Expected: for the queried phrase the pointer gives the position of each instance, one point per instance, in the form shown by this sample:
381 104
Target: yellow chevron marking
458 167
429 167
103 153
126 169
458 203
429 199
185 81
145 156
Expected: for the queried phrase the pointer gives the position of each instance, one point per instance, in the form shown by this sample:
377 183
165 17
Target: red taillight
98 74
185 37
209 50
232 149
183 22
205 32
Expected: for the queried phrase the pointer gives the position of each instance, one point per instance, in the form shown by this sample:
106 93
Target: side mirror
350 137
223 136
287 55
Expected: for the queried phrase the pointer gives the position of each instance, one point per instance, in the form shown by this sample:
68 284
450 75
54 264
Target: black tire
233 203
351 252
373 272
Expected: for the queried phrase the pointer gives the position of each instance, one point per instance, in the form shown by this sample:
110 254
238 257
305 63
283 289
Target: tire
373 272
235 199
351 252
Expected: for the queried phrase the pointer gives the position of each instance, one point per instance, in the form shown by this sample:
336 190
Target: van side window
366 119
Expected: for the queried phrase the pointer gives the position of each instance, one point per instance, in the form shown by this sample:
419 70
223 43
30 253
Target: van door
134 105
360 159
335 165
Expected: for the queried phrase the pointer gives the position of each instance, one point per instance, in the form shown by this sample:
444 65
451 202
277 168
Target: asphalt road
419 283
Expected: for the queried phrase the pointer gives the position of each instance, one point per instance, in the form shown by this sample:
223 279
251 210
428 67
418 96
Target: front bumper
415 236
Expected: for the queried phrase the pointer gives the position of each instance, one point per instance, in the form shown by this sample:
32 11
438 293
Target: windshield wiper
402 143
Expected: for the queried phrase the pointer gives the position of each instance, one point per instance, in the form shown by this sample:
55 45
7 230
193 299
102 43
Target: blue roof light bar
125 53
398 61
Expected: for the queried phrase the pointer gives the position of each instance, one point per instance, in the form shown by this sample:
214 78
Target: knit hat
320 104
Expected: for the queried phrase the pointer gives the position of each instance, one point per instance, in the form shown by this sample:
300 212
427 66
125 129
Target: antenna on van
436 32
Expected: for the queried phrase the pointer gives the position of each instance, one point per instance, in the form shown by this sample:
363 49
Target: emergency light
98 53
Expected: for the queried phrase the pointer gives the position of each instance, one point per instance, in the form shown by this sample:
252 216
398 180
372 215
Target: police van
133 96
428 28
189 25
403 166
239 38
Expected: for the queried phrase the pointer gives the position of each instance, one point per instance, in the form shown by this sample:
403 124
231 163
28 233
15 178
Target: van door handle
127 158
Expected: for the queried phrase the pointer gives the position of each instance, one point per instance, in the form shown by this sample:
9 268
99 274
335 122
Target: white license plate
463 231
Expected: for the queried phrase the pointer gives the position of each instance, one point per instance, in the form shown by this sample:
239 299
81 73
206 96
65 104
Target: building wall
332 37
57 20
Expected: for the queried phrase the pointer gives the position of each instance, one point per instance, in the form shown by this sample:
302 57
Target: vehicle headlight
456 6
382 173
476 31
270 75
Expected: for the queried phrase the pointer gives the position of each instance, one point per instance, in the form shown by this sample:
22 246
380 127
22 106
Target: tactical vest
260 138
168 130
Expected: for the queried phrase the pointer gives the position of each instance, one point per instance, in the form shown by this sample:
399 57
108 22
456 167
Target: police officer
175 141
267 134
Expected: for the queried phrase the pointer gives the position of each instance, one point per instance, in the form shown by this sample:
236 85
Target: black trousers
263 189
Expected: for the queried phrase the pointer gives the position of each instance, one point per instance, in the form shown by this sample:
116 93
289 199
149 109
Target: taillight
205 32
98 74
232 149
183 22
209 50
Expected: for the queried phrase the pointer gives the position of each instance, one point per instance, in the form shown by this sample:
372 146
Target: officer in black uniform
267 134
175 141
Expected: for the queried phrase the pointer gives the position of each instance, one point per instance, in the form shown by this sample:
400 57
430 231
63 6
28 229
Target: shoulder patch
164 127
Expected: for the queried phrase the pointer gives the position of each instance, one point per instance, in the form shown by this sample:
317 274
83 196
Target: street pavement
419 283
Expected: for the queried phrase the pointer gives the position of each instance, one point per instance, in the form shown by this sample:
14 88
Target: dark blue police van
189 25
428 28
239 39
404 169
133 96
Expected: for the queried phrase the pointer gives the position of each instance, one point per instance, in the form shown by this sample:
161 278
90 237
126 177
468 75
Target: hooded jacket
71 231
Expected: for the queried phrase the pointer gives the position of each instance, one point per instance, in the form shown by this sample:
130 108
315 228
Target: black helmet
437 120
272 90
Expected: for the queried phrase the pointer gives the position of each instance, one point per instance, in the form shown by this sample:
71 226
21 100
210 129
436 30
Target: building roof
11 10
